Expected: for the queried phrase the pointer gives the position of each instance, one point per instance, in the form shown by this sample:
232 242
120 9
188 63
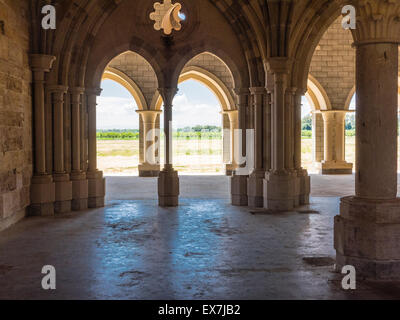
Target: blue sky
194 105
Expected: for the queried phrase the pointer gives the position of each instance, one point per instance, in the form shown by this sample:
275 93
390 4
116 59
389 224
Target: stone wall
333 64
15 111
139 70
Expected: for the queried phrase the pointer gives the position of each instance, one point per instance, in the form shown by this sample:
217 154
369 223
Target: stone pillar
304 184
334 143
239 178
42 186
78 176
255 183
60 176
367 232
280 181
96 181
168 180
150 167
233 125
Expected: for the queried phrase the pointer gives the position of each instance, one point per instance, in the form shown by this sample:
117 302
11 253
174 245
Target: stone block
42 196
80 192
239 190
336 167
367 236
255 189
63 193
280 191
168 188
96 189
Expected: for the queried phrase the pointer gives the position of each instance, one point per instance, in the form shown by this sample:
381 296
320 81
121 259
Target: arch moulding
124 80
209 80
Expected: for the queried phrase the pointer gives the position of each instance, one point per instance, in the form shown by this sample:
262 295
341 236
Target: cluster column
61 178
280 182
241 156
234 125
42 189
255 183
334 143
78 176
150 166
367 232
168 180
96 181
303 187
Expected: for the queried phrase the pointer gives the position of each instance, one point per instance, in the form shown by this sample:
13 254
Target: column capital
58 92
258 90
93 91
242 95
57 88
77 90
333 115
149 116
378 21
168 95
232 114
41 62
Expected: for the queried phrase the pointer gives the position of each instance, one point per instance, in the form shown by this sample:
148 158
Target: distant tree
350 122
306 123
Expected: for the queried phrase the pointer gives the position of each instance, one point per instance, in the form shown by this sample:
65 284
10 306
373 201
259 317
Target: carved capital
41 62
168 95
378 21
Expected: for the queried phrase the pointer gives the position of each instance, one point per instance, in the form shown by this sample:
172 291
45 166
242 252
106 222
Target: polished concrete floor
204 249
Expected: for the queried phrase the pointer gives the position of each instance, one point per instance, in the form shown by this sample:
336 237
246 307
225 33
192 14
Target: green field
198 156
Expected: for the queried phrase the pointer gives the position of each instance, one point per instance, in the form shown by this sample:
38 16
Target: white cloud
120 113
187 113
117 113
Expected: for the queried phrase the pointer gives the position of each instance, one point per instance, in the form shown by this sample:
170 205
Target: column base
366 236
230 169
304 187
63 193
80 191
239 190
96 189
255 189
280 190
335 167
168 188
148 171
42 196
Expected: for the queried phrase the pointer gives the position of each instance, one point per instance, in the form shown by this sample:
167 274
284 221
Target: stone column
304 184
78 176
96 181
334 145
255 183
60 176
42 187
150 167
233 125
168 180
280 181
367 232
239 178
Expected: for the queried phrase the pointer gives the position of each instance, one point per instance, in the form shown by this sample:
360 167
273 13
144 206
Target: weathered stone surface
15 112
